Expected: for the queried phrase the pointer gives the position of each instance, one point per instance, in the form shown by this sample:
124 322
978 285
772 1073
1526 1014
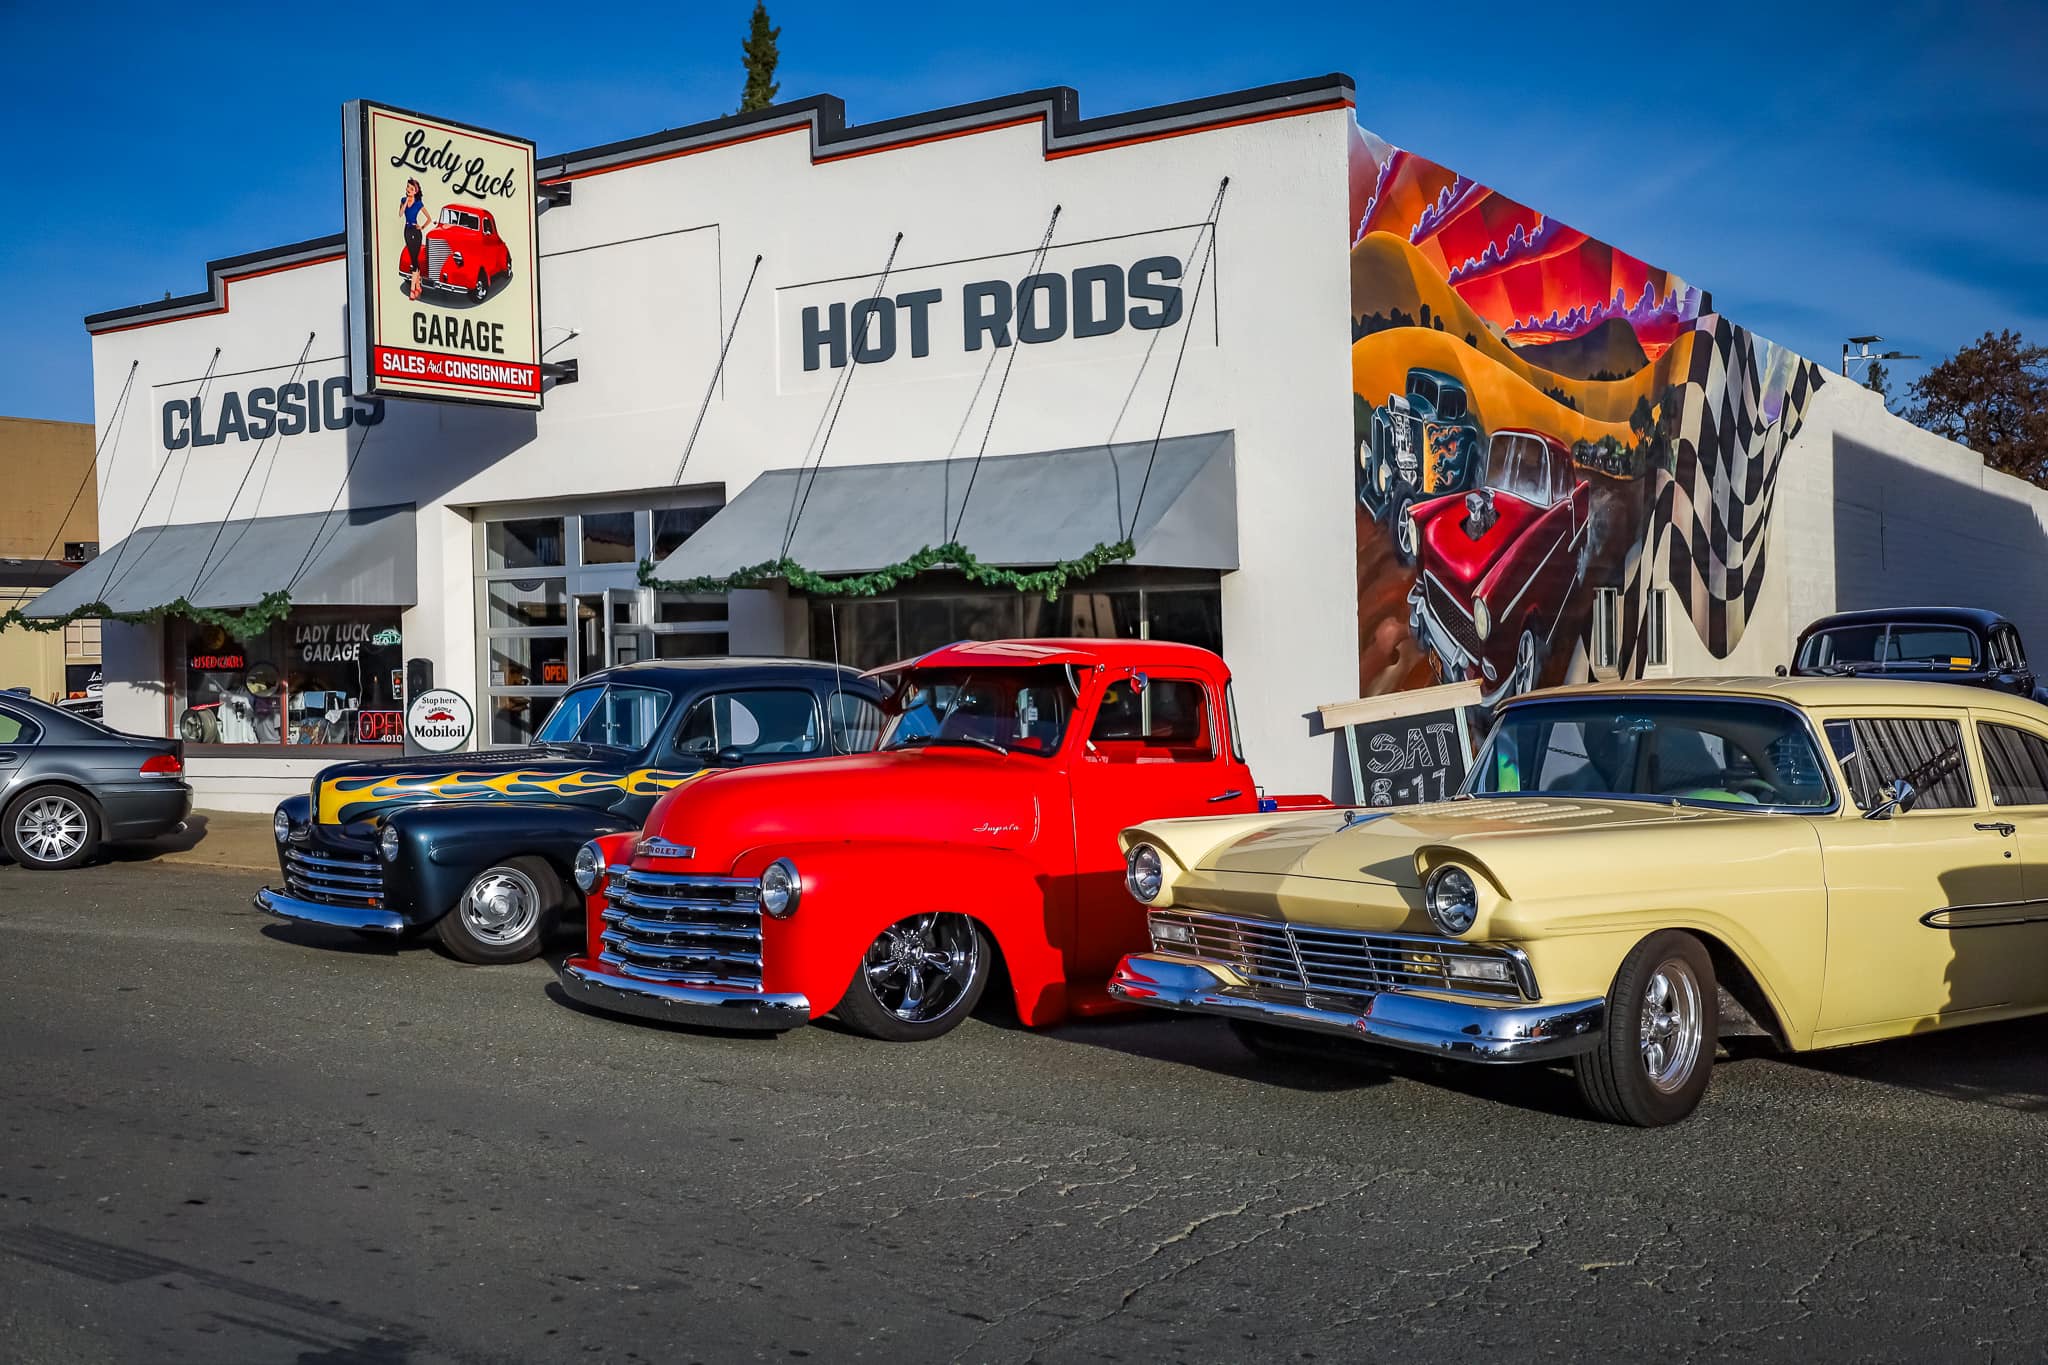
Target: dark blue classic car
1923 644
482 846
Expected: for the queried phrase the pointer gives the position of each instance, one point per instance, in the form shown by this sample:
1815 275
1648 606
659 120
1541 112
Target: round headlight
1451 899
1144 873
1482 619
387 843
781 888
281 825
589 867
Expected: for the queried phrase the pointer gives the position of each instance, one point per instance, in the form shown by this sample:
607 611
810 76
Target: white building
503 546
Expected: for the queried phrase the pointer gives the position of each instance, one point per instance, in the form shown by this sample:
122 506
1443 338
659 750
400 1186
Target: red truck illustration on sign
463 253
889 888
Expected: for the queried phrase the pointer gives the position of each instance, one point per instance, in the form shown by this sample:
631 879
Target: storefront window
559 598
515 719
608 538
530 661
528 603
530 543
324 675
674 525
877 631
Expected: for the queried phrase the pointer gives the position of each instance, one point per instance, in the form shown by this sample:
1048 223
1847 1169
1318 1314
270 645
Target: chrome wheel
501 907
920 969
50 829
1672 1025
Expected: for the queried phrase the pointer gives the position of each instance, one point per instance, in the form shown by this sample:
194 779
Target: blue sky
1823 169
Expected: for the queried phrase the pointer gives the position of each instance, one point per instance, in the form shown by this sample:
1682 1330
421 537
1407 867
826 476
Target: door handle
2004 830
8 760
1225 796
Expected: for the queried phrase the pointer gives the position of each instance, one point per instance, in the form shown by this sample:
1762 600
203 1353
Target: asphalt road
225 1140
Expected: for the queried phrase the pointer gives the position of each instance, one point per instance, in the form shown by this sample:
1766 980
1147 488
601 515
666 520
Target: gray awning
362 557
1026 510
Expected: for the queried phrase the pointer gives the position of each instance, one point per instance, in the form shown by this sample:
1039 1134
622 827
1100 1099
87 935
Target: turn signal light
162 765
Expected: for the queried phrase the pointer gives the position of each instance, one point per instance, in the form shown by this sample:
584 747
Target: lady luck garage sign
444 294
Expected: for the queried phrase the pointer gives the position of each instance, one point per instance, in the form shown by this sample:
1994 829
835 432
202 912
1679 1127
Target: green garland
240 624
952 555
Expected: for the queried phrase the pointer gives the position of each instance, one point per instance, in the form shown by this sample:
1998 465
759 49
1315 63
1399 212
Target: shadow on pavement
2004 1065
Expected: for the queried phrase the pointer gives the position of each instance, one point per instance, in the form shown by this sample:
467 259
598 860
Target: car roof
1815 693
695 672
1037 653
1979 617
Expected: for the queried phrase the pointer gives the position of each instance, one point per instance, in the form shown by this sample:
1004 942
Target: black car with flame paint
481 846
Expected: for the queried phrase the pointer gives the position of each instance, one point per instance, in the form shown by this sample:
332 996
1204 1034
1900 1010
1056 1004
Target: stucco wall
647 268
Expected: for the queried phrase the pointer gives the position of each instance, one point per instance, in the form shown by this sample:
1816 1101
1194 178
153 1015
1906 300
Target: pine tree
760 56
1879 381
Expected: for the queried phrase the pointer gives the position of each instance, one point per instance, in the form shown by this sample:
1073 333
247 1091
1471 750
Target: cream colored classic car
1631 872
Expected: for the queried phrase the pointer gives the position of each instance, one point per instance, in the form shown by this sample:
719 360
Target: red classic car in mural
465 254
1499 565
1419 444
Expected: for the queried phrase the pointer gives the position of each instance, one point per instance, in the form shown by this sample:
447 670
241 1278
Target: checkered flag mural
1710 520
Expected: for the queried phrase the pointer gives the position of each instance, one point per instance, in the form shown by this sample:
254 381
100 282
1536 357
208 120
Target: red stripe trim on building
226 282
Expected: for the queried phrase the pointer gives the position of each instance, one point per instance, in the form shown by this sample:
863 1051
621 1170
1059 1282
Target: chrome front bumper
676 1003
332 916
1469 1032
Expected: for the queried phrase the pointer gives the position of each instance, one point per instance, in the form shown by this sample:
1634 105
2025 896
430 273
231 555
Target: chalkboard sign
1407 748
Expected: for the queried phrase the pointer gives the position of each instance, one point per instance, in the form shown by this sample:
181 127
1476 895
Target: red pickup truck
978 844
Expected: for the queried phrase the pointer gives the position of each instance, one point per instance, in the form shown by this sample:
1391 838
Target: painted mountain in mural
1609 349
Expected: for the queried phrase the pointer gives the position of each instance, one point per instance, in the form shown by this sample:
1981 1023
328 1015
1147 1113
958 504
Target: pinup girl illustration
417 218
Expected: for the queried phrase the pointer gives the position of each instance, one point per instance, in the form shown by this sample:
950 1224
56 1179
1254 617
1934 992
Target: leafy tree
1879 381
760 56
1991 396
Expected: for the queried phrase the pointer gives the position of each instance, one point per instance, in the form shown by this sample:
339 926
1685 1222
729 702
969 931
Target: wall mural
1539 415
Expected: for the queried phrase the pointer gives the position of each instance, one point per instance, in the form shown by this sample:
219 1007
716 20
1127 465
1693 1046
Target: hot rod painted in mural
1498 565
480 846
1818 861
1420 444
1966 645
465 254
978 844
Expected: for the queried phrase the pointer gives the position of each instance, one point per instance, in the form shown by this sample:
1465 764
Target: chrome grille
683 927
334 877
437 256
1451 614
1303 960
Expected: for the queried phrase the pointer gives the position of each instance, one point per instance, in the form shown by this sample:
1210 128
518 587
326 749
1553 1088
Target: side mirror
1897 802
1138 681
1784 672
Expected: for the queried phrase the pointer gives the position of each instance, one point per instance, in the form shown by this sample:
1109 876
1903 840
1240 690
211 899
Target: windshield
1016 710
1890 646
1728 753
1518 465
618 717
1422 389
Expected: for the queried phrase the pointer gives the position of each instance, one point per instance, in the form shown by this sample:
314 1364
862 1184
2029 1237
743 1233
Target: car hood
1459 562
1380 847
943 795
348 793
